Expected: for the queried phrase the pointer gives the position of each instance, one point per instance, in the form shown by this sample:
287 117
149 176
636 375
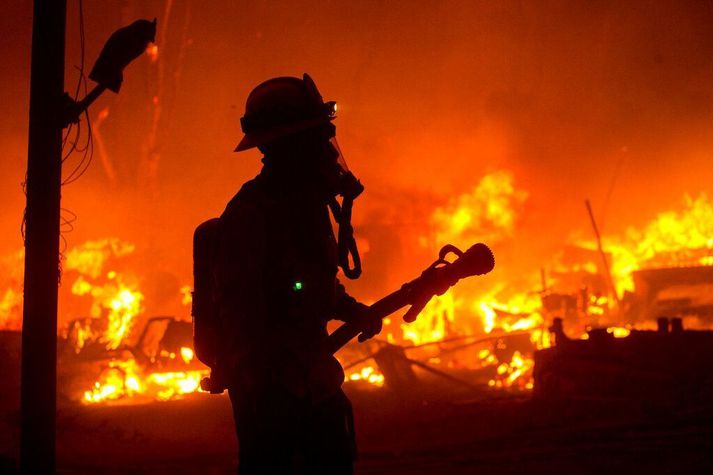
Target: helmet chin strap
346 244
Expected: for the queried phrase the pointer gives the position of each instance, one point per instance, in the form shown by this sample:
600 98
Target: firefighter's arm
348 309
240 268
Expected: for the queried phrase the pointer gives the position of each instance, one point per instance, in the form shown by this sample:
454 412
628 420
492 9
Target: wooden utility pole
44 176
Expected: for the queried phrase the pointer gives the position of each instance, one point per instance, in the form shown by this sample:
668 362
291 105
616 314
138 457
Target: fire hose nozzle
442 275
435 280
477 260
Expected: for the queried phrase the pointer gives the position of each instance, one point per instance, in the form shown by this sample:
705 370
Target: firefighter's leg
331 447
267 425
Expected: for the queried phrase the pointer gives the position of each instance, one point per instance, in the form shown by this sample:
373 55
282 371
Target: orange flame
10 310
368 374
124 378
487 213
673 238
434 321
152 52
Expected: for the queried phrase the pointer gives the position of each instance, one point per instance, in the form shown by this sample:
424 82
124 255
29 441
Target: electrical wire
87 148
67 218
77 89
72 144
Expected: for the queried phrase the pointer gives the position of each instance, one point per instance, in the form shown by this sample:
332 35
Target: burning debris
101 358
666 365
160 365
519 323
487 336
673 238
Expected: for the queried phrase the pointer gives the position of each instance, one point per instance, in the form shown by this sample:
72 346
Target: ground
488 433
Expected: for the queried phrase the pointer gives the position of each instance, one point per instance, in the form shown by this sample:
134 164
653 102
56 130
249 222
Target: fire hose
435 280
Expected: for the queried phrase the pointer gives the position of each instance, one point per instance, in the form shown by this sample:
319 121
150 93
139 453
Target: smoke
609 101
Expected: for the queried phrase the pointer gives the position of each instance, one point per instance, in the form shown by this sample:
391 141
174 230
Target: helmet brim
255 139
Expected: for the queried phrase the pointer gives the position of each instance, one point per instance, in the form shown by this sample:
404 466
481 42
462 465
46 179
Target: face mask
345 184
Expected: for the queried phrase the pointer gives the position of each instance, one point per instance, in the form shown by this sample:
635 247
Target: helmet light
331 109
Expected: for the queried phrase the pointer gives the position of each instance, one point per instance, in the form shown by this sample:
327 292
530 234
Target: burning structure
487 335
666 366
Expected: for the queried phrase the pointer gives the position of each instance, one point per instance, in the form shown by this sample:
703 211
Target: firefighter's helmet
280 107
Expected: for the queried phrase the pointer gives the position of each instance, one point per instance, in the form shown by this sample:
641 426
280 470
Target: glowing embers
125 378
619 332
516 373
170 385
186 354
522 329
367 374
121 378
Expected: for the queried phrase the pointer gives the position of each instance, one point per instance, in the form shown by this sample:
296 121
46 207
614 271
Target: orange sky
432 96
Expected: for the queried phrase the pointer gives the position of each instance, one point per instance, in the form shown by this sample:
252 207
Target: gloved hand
370 326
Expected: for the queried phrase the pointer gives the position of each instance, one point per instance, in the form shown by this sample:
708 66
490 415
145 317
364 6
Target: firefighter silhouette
276 286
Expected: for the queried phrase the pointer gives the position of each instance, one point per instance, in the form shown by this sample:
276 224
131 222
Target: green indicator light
297 286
